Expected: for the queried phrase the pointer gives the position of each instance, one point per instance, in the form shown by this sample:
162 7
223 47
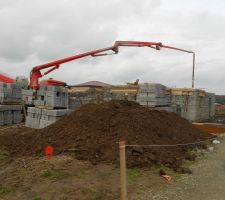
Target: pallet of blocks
11 110
153 94
51 104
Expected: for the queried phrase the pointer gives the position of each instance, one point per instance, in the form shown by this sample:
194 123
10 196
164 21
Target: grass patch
133 174
187 163
4 190
36 198
81 174
53 173
100 194
3 155
206 144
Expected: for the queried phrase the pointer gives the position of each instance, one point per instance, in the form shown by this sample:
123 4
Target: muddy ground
66 178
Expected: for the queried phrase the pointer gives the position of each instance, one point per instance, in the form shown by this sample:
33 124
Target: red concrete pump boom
6 79
36 71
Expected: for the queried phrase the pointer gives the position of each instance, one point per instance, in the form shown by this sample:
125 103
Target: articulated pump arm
36 71
6 79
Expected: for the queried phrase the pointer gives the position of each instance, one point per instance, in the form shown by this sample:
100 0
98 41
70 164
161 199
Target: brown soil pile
95 130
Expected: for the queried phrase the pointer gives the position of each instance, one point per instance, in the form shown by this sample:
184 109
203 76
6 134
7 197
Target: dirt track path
207 181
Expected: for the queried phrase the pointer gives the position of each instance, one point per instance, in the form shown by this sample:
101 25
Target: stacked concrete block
10 104
28 97
33 117
10 114
40 118
51 104
151 94
22 81
52 97
6 115
49 117
10 93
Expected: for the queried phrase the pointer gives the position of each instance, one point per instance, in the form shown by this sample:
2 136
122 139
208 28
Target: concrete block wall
196 105
74 103
123 96
212 101
80 98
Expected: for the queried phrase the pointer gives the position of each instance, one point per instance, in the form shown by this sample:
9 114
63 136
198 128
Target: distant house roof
93 84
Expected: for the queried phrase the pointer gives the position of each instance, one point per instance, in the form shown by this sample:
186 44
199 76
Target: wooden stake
123 178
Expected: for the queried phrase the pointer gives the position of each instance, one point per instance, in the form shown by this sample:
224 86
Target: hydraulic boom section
36 74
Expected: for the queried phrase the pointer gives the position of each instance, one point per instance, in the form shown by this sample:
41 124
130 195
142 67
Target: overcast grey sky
37 31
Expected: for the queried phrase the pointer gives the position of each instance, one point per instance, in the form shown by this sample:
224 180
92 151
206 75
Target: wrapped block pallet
11 110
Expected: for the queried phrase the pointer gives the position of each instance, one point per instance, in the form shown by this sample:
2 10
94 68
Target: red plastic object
167 177
49 152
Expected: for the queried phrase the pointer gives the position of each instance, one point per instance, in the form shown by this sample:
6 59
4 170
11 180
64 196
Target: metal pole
193 71
123 179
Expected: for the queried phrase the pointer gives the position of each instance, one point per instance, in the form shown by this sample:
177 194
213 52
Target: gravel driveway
207 181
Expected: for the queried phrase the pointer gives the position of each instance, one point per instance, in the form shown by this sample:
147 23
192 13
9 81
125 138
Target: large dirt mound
95 130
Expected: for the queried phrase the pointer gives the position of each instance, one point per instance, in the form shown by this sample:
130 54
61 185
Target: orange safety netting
209 128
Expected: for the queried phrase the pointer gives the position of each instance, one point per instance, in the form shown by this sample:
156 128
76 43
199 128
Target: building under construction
192 104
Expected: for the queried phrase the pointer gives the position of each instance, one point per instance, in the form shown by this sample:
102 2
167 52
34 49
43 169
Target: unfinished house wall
11 110
154 96
124 92
192 104
196 105
51 104
83 96
212 101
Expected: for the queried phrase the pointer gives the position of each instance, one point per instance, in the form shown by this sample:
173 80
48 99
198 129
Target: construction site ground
66 178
